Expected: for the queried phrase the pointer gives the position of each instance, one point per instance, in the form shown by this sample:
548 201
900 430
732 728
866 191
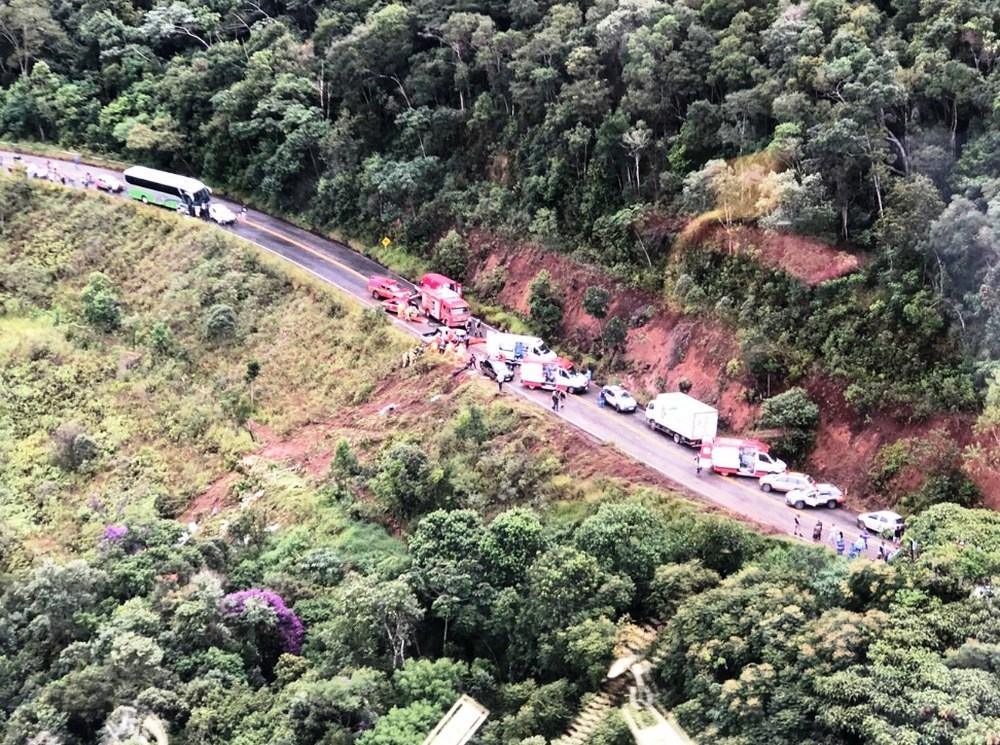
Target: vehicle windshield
542 349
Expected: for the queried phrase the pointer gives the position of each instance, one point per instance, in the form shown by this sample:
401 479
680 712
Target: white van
517 348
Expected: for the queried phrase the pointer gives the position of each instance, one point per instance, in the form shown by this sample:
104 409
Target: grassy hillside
158 405
353 570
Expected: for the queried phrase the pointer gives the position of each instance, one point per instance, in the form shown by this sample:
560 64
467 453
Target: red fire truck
441 300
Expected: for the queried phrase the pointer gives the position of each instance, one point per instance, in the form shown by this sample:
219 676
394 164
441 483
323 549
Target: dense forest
594 128
449 551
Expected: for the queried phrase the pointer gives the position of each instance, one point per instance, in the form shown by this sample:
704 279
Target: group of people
858 547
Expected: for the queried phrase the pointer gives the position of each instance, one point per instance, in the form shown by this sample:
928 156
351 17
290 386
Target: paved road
338 265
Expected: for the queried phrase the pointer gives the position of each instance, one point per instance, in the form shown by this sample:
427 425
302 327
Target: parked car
108 184
221 214
619 399
830 490
883 522
787 481
496 369
815 497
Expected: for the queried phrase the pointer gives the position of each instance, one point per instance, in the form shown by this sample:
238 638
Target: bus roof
190 185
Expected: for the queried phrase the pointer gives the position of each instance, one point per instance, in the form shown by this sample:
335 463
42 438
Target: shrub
595 301
161 339
491 284
100 303
545 306
614 336
407 482
451 256
220 323
795 414
372 319
72 446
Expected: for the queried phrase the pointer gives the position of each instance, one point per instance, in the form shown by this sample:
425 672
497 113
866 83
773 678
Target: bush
952 486
546 308
372 319
614 336
220 323
795 414
491 284
451 256
161 339
408 483
595 301
100 303
72 446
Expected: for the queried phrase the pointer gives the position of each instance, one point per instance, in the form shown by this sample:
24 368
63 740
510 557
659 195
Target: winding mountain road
338 265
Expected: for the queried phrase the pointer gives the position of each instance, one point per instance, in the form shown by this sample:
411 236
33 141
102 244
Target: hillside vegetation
445 550
585 125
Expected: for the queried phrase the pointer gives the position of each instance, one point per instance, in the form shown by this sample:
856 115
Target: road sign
386 241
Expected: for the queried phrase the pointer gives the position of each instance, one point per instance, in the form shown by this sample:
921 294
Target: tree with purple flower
114 533
272 626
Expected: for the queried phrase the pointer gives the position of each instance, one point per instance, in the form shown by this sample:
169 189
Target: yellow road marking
299 244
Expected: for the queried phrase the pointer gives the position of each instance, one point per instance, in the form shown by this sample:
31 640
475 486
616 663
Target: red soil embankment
809 260
672 347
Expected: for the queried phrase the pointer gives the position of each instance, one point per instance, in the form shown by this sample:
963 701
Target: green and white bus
169 190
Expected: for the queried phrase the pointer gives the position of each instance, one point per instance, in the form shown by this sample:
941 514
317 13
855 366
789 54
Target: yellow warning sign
386 241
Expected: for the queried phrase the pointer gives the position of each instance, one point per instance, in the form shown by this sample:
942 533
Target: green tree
796 417
595 301
100 302
627 539
512 541
451 256
546 309
220 323
408 483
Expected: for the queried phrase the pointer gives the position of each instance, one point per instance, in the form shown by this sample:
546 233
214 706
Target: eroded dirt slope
672 347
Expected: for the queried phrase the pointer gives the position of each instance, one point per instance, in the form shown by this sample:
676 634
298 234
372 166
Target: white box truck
686 419
516 348
732 456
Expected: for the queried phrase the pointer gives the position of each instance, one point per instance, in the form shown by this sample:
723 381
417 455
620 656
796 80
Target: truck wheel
765 487
832 504
799 504
677 439
144 200
374 294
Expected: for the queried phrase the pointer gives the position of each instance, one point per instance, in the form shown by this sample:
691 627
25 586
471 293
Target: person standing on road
562 399
555 400
882 556
600 399
860 545
818 531
839 544
864 536
499 384
798 528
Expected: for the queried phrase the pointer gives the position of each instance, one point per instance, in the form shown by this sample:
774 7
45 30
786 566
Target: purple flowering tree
287 625
114 533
